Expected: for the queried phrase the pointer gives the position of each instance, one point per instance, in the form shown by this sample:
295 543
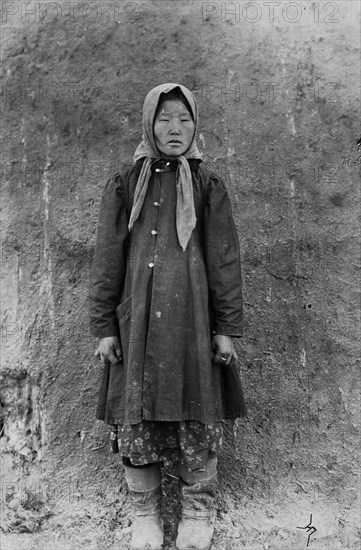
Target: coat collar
172 165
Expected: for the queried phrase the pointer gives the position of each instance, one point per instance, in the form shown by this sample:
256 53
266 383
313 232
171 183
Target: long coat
164 303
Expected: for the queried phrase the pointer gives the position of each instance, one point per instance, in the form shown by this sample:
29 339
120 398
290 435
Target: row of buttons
154 232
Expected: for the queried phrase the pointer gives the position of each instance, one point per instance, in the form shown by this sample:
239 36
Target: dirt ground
91 515
279 103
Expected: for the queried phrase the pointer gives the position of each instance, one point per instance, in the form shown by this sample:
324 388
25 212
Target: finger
225 358
216 358
118 352
222 359
113 358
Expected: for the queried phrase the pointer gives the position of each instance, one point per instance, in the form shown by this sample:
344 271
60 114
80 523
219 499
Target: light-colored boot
145 493
198 490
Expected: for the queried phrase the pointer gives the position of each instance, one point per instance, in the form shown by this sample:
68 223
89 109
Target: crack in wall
46 285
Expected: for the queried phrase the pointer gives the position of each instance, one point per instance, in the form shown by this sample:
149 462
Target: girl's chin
172 152
170 155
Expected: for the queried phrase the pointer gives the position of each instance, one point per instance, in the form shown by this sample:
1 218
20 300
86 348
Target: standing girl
165 302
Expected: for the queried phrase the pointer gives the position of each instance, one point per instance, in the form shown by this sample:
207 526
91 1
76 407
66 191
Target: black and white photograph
180 275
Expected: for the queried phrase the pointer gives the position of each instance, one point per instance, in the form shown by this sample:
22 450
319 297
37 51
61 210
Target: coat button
154 232
151 264
156 203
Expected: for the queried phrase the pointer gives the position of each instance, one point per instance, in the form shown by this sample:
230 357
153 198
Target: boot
198 490
145 493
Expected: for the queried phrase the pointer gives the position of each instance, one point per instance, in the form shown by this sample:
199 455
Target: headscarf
185 212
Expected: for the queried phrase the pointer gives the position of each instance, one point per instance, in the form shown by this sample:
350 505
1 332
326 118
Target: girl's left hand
223 349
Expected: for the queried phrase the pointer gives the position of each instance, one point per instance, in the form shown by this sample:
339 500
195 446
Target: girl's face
173 128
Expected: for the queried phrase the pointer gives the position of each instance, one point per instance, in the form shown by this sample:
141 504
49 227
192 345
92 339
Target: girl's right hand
109 349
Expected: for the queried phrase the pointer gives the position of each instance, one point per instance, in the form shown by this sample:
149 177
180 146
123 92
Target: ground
103 521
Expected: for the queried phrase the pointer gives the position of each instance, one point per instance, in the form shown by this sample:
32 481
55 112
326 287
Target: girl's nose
174 127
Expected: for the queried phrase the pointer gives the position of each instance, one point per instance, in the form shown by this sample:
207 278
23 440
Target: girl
165 302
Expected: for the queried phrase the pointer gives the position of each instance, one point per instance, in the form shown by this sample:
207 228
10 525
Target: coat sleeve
107 274
223 261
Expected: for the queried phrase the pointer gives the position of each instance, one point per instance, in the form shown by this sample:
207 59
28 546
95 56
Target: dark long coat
165 303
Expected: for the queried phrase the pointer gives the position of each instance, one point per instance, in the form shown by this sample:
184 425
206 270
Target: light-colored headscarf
185 212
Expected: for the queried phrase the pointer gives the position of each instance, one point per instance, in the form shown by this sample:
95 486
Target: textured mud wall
279 103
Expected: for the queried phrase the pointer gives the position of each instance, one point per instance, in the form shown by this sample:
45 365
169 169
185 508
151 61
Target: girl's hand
109 349
222 349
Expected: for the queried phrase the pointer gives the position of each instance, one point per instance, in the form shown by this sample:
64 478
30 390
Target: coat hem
109 420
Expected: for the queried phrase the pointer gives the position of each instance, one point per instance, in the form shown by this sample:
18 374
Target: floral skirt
154 441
